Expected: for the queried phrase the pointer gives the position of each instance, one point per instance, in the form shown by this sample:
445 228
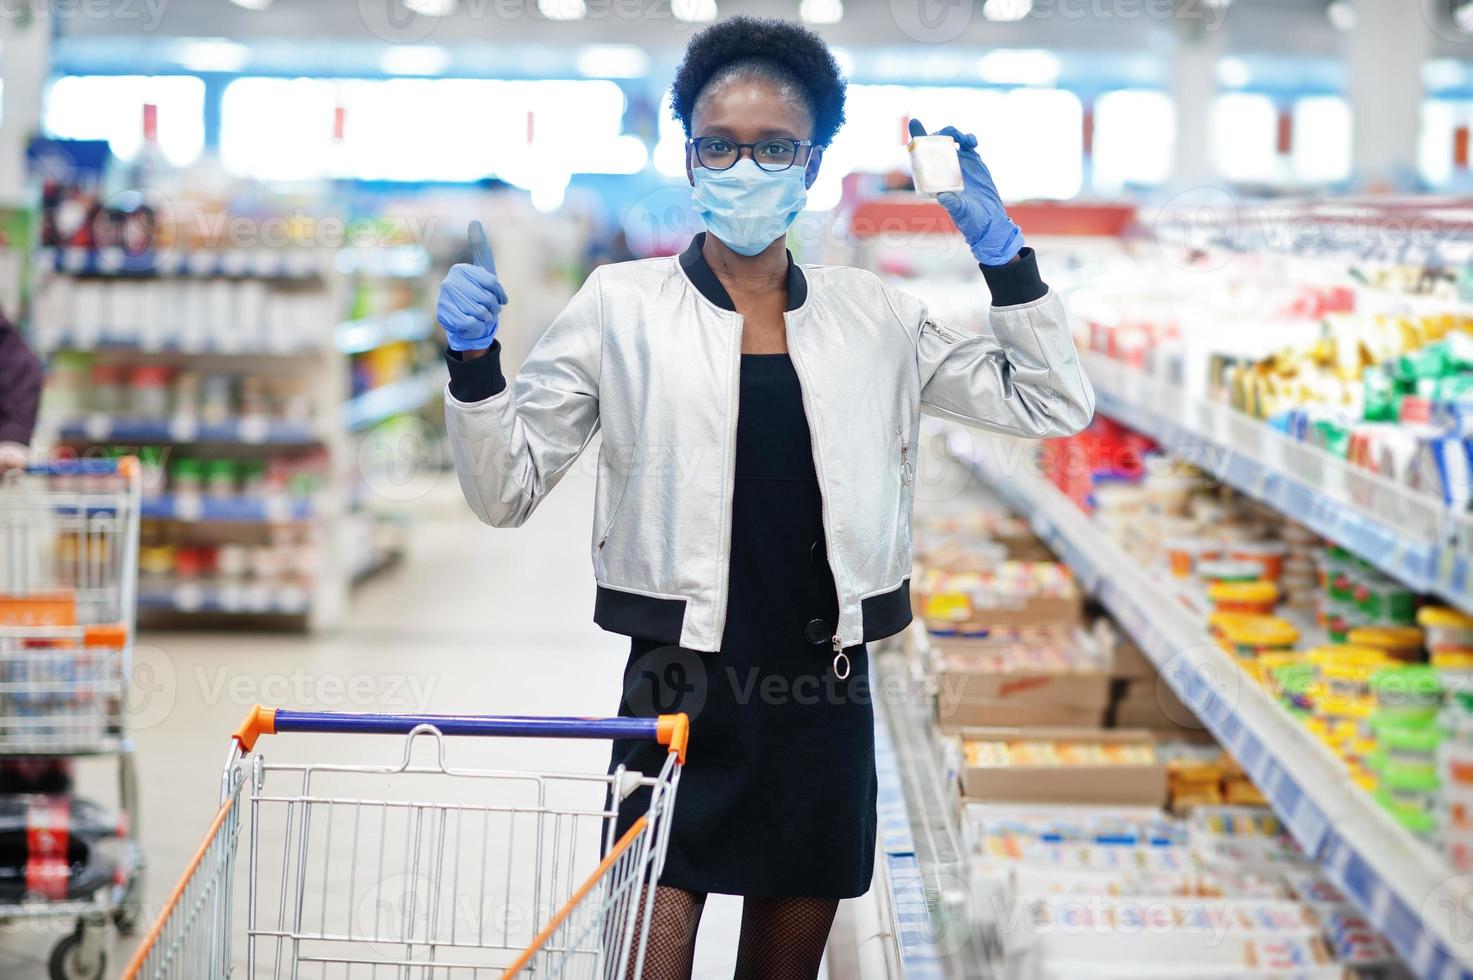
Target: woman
752 523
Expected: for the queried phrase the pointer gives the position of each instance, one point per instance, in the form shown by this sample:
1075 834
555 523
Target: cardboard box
958 542
1033 676
966 699
990 713
1153 705
1132 785
1008 595
1130 663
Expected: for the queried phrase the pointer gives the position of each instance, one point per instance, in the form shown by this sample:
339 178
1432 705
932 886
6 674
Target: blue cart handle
671 730
86 466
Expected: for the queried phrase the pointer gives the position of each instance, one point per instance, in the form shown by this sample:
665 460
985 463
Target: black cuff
1016 282
478 379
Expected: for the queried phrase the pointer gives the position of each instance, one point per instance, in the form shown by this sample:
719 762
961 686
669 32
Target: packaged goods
1062 766
46 848
1267 555
1446 630
934 165
1041 677
1256 598
1011 594
1187 555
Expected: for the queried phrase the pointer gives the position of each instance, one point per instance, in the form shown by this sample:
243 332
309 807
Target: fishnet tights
672 943
781 939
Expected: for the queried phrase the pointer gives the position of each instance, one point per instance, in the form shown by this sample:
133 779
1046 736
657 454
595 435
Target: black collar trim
704 279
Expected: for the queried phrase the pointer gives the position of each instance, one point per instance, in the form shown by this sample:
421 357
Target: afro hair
790 52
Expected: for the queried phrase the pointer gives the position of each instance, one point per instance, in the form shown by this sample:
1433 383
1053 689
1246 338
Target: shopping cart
68 561
488 873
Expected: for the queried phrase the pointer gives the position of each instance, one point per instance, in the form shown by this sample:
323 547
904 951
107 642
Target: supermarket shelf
81 340
910 914
200 598
25 744
1402 886
280 263
359 336
136 429
384 261
394 398
236 510
1406 534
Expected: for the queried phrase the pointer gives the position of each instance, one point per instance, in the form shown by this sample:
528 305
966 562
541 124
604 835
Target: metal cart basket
68 577
420 870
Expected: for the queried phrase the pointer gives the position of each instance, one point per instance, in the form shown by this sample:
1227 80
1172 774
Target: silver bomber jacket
648 352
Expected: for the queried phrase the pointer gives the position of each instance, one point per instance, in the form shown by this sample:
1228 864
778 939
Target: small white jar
934 164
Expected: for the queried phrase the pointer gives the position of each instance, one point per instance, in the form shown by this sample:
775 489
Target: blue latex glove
977 210
471 298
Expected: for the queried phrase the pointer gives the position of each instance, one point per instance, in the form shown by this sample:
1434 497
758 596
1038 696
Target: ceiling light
1233 73
693 11
844 59
414 59
562 9
613 61
1018 66
1463 15
1341 14
213 54
821 11
1442 73
252 4
431 8
1007 11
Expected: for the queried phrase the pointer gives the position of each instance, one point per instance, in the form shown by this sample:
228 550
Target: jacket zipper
823 506
907 472
733 372
947 336
609 526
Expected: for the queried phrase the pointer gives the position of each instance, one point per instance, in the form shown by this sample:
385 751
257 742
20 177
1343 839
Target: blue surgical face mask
747 207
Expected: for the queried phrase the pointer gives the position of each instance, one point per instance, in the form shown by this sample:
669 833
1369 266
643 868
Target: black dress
777 798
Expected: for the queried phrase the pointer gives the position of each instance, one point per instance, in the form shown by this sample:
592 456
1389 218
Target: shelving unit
1407 534
1402 886
395 398
194 508
268 314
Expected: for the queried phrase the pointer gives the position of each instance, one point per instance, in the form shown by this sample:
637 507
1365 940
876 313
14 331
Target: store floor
475 620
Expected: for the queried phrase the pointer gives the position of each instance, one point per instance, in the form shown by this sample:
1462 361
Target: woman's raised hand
977 209
471 298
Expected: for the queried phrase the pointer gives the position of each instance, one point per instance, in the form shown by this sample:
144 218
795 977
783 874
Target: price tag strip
911 911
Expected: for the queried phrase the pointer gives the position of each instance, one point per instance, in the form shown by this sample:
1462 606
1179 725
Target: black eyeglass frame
751 148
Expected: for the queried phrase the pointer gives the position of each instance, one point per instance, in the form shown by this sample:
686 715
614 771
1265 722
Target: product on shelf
56 693
1330 367
189 313
275 576
1224 893
1021 677
1062 766
1011 593
282 475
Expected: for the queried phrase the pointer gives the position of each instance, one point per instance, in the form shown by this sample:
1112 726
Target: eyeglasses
773 155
